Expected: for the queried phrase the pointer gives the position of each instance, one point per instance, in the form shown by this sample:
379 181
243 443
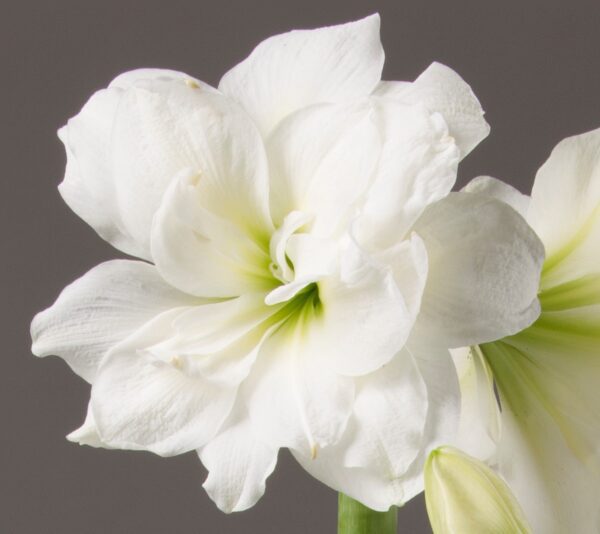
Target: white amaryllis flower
548 376
464 495
304 282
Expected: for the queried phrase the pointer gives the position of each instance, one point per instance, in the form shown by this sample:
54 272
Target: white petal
322 159
201 252
548 451
479 428
417 166
219 341
292 222
294 401
557 492
380 458
99 310
311 256
492 187
303 67
409 265
390 412
238 464
441 89
141 402
313 259
364 319
133 138
565 208
133 77
560 356
91 186
87 434
288 291
443 394
484 268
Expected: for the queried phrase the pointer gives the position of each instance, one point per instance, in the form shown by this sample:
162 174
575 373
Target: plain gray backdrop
534 66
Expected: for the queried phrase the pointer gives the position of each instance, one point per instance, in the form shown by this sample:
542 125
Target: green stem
356 518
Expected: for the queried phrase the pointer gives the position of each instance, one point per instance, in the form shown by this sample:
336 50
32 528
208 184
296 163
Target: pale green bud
464 496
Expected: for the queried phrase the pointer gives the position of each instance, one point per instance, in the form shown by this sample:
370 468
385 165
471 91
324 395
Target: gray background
534 66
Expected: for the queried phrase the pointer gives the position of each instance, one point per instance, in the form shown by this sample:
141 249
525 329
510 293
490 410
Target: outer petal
238 464
322 160
89 186
548 451
139 401
568 184
379 461
492 187
87 434
417 166
300 68
441 89
557 492
484 268
132 139
201 252
99 310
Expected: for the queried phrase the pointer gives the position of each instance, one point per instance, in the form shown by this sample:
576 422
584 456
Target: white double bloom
309 266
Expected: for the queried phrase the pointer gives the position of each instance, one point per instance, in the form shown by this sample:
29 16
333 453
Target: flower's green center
302 308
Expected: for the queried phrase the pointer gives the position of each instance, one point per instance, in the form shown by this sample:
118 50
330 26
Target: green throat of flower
543 364
303 308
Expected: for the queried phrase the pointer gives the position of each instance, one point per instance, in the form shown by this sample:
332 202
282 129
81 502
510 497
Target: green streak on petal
584 291
580 236
356 518
569 327
560 379
297 312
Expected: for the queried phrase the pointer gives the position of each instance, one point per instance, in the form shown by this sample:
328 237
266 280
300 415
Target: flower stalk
356 518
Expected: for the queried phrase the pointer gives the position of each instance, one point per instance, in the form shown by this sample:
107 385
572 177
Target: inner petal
298 259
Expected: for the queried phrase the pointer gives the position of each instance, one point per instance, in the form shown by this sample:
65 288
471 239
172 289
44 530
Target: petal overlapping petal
304 67
403 411
90 186
442 90
221 340
322 159
101 309
492 187
142 402
131 140
417 166
293 400
484 269
365 319
203 253
480 423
